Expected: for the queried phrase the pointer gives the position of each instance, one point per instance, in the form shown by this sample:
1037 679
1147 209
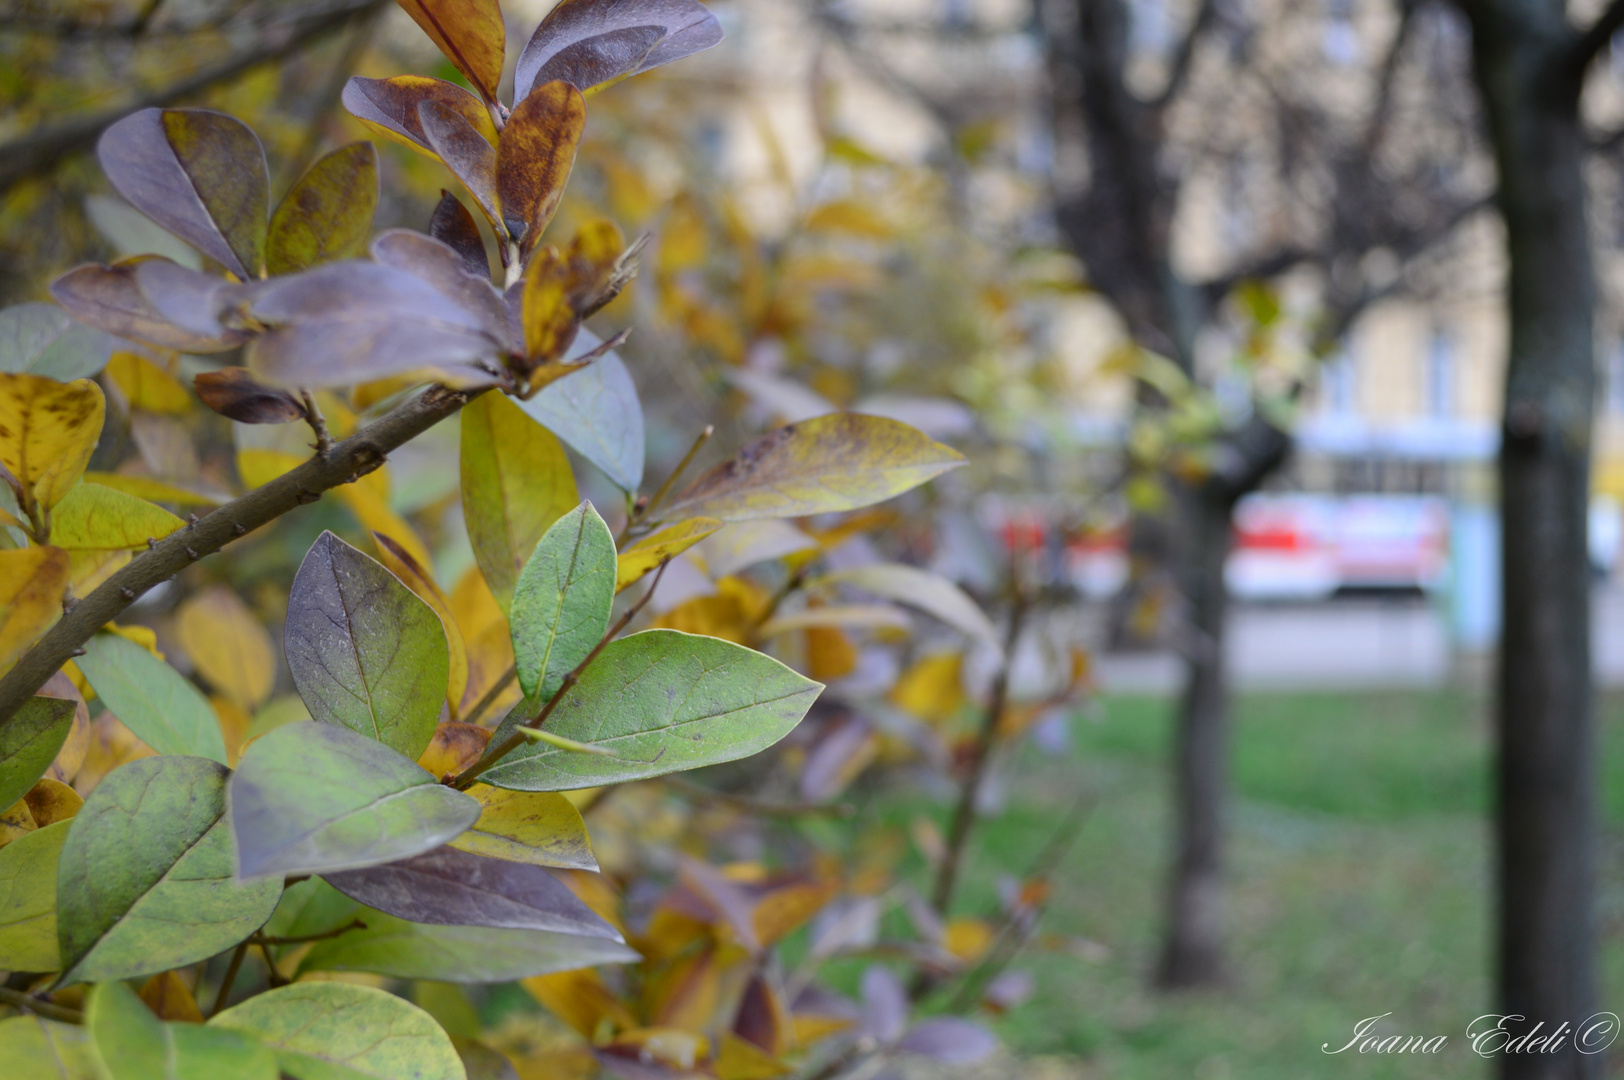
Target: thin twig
638 516
272 975
317 422
224 995
356 456
466 779
300 939
48 1009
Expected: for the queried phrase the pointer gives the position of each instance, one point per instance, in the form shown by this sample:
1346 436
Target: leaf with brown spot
110 298
389 107
51 801
539 827
841 461
534 156
470 33
234 393
465 152
550 322
454 226
228 646
47 432
454 747
32 581
326 215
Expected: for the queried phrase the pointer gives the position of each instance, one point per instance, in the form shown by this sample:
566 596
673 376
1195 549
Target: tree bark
1545 828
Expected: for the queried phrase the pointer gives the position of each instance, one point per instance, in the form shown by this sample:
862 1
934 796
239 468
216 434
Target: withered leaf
326 215
594 42
233 392
470 33
109 298
454 226
389 107
534 156
465 152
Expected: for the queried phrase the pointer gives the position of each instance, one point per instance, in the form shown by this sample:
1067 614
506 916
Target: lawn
1359 872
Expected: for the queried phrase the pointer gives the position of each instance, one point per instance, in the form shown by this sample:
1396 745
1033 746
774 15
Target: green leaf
94 516
461 954
307 908
29 742
516 482
42 339
328 213
35 1049
660 701
365 651
28 899
146 882
837 462
562 600
133 1044
308 798
539 827
930 593
334 1031
155 701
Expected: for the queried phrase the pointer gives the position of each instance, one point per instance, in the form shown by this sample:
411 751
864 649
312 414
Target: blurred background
1112 250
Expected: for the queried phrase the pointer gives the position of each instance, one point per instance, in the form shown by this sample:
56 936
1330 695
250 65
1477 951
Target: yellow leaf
810 1028
677 1045
453 748
32 581
51 801
516 482
731 613
146 385
96 517
16 822
72 755
655 548
788 907
89 567
470 33
143 636
741 1060
538 827
234 725
682 243
830 654
171 999
932 688
547 314
416 577
849 216
228 646
259 467
47 431
581 999
836 462
145 487
966 938
371 509
111 745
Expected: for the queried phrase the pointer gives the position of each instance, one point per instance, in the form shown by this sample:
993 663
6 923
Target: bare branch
1377 128
1184 58
1589 44
354 457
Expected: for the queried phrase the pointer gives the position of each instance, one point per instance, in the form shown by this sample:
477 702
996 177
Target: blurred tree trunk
1529 66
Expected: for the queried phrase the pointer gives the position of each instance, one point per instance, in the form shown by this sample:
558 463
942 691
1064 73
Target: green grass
1358 874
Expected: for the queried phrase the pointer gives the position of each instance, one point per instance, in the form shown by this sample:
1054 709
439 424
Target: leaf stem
48 1009
483 705
466 779
357 455
317 422
664 489
300 939
224 995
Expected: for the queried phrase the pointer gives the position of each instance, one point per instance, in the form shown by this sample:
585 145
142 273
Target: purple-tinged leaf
885 1005
438 265
455 227
233 392
360 290
448 887
326 215
464 150
584 38
110 299
534 157
341 351
389 107
365 652
191 299
728 900
1009 990
827 770
199 174
949 1039
318 798
596 411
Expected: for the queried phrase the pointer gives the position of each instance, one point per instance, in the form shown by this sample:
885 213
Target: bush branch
349 460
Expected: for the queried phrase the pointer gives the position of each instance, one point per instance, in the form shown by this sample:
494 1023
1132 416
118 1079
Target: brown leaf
455 746
389 107
50 801
170 998
534 157
233 392
588 42
110 298
454 226
470 33
550 323
465 152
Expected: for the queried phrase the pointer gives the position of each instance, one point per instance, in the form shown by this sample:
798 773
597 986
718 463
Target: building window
1440 375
